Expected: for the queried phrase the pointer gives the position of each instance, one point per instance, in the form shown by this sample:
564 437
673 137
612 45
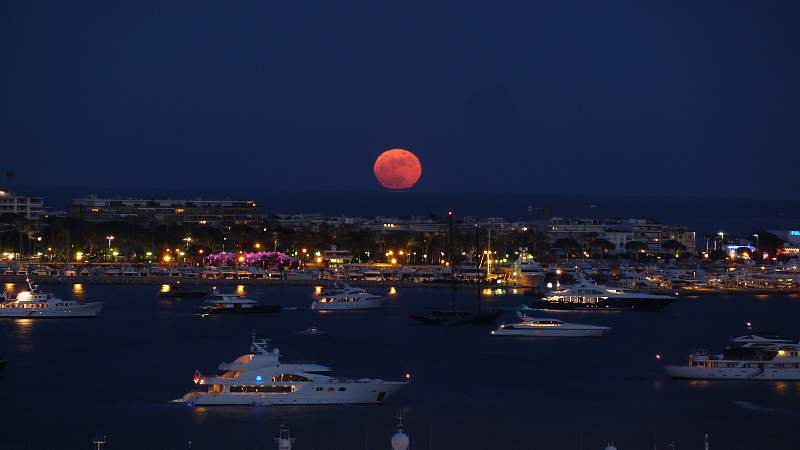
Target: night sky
607 97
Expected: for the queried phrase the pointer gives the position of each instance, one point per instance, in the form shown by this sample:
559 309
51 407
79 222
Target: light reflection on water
77 290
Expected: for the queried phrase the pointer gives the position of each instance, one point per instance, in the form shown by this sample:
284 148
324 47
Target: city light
167 258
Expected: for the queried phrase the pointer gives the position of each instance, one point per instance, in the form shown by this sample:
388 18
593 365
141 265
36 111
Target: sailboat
454 316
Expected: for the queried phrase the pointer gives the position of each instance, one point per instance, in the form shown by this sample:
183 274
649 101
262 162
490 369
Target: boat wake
763 409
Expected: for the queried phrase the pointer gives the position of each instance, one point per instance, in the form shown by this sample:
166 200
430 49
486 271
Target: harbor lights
187 240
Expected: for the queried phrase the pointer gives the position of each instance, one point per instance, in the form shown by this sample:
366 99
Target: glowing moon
397 169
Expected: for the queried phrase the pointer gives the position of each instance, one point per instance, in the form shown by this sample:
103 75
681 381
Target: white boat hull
733 373
86 310
333 393
549 333
372 303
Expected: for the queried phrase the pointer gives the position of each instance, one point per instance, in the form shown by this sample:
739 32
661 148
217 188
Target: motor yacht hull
375 303
550 333
733 373
86 310
333 393
457 317
610 304
260 309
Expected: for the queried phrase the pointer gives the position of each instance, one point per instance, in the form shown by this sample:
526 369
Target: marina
443 403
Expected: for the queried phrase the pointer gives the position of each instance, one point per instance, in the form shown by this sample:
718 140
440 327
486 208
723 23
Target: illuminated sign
794 232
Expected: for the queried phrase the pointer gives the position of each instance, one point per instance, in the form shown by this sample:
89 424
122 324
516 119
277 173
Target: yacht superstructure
586 295
260 378
756 356
345 297
34 303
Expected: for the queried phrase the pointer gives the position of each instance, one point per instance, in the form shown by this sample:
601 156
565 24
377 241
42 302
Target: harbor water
69 380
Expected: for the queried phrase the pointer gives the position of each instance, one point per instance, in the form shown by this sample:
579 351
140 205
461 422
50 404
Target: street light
110 238
187 239
756 236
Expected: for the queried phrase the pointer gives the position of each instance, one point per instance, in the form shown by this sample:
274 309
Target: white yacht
34 303
587 295
527 272
259 378
752 357
220 303
344 297
538 327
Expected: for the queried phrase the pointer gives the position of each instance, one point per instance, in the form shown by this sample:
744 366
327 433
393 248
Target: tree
602 245
636 247
567 244
673 247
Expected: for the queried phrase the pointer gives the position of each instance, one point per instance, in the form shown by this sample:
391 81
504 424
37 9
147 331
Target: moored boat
585 295
345 297
35 303
260 378
233 304
751 357
547 327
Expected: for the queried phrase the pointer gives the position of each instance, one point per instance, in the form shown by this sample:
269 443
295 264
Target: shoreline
150 280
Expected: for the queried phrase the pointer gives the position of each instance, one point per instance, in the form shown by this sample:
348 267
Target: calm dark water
69 379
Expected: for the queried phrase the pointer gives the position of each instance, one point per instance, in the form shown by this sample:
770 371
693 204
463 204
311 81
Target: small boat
233 304
311 331
538 327
183 291
457 317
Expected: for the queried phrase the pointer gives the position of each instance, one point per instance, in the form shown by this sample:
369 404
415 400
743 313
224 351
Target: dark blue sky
600 97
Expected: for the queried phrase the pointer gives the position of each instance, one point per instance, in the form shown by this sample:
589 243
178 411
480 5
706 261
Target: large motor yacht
220 303
34 303
756 356
539 327
344 297
260 378
587 295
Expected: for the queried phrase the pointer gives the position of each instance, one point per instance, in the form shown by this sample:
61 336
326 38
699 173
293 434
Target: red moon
397 169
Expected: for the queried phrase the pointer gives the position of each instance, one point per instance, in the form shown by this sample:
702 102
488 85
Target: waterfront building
29 207
619 232
214 213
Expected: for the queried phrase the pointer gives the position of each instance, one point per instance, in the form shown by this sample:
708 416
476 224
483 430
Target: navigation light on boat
407 376
658 356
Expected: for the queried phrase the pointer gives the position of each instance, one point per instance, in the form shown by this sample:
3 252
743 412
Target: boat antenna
98 442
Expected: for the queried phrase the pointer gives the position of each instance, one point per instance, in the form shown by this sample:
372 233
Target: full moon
397 169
